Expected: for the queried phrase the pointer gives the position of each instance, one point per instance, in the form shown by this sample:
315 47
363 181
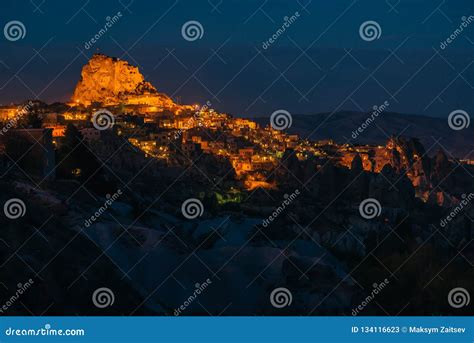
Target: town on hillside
113 99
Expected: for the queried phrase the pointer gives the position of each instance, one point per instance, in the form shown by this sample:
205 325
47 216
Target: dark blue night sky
319 64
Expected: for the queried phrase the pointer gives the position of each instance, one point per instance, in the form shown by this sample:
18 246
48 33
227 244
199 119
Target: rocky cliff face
110 81
436 180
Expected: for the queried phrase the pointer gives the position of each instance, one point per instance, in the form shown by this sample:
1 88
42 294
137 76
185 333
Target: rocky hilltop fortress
111 81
